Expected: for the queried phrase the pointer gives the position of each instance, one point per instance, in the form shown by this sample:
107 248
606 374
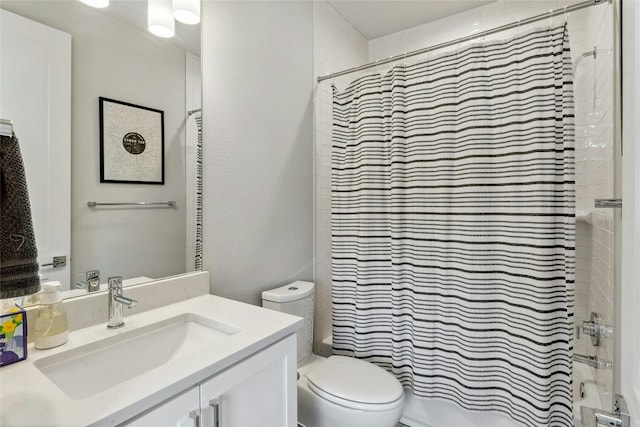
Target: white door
629 298
35 93
180 411
258 392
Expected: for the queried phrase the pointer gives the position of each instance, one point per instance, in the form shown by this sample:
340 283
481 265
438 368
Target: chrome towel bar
608 203
170 203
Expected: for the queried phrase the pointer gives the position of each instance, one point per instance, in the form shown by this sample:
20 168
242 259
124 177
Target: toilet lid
355 383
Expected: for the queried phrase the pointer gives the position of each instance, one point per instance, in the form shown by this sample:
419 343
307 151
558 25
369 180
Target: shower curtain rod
485 33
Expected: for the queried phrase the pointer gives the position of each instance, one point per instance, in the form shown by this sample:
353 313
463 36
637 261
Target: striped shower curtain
453 226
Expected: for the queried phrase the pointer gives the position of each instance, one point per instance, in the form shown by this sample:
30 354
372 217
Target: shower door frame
627 281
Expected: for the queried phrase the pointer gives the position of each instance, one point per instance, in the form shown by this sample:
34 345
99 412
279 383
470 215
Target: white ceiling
375 18
372 18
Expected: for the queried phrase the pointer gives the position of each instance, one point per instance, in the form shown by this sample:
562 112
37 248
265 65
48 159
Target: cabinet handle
215 418
195 416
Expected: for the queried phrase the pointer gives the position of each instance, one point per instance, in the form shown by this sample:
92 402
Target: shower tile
563 3
514 10
604 220
411 39
582 203
492 15
543 6
469 23
582 169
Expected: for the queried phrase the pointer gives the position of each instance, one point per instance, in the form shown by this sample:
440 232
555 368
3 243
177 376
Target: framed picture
131 143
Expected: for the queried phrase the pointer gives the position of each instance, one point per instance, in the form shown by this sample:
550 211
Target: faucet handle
115 282
92 274
92 281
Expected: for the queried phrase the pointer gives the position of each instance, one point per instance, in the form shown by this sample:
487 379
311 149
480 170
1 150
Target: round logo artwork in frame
134 143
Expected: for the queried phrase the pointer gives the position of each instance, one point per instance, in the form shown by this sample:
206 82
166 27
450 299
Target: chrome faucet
116 301
619 417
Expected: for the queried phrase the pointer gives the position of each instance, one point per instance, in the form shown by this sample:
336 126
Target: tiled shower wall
339 46
595 178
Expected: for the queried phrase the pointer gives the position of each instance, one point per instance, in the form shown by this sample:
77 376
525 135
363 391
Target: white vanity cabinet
181 411
170 366
259 391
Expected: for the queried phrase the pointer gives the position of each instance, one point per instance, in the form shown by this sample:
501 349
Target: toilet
335 391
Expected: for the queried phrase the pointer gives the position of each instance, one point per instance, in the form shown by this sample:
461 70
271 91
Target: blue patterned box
13 336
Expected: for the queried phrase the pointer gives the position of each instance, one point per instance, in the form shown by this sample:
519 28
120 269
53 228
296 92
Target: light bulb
160 18
187 11
96 3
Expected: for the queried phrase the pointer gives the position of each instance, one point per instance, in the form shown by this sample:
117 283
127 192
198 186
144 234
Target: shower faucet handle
595 329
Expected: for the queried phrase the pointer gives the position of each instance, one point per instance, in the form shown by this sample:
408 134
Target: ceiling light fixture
160 18
96 3
187 11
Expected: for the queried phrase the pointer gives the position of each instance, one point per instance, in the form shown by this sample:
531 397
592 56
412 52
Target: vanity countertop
29 398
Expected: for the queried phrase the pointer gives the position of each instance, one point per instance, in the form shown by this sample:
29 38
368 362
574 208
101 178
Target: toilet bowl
343 391
335 391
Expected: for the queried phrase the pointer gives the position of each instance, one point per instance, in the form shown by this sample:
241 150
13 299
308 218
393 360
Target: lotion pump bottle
52 329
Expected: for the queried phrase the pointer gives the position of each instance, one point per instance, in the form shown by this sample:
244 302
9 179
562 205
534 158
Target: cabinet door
181 411
257 392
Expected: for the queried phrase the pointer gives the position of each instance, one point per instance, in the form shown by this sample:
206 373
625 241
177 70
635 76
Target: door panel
35 93
181 411
257 392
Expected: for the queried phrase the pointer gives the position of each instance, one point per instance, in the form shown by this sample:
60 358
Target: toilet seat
355 384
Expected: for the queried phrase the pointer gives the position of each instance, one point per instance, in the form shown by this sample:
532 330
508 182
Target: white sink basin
90 369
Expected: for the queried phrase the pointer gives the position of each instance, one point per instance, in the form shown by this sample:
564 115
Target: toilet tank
296 298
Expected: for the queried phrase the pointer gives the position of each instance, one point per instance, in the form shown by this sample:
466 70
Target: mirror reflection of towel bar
58 261
6 127
170 203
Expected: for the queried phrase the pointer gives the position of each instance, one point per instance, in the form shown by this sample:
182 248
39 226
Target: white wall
114 60
336 46
257 136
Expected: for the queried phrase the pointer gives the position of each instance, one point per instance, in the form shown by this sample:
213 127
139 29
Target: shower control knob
595 329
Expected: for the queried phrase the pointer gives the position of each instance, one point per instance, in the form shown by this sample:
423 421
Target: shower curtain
453 226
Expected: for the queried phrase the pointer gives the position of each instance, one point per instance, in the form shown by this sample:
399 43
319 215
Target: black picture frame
131 143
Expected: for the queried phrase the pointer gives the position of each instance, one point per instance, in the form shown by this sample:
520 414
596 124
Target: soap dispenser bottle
51 325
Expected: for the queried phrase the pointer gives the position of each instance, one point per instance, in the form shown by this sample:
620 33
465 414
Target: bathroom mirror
114 56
